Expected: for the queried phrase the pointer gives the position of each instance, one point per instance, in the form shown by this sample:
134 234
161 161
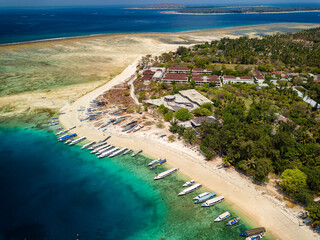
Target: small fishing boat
256 237
162 161
205 198
153 167
136 153
128 152
88 145
233 221
252 232
119 121
213 201
222 217
118 152
63 138
166 173
77 141
188 183
201 195
154 162
59 128
190 189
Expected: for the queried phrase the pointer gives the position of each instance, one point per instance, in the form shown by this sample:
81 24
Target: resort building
228 79
245 79
174 77
194 96
179 70
202 71
232 79
200 80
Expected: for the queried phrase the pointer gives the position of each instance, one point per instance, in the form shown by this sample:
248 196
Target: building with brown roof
196 122
178 70
174 77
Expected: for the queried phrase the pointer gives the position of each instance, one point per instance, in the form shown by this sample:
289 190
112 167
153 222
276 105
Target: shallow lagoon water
54 191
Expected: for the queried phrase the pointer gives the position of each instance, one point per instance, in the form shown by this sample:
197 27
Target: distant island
164 6
219 10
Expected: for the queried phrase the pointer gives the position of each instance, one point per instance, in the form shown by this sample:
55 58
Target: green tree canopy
183 114
293 180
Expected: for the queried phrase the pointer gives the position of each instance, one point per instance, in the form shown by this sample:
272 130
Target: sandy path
240 192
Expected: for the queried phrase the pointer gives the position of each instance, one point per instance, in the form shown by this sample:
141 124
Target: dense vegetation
248 10
298 52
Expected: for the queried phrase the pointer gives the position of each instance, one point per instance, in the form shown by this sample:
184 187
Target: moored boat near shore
107 153
88 145
213 201
128 152
233 221
166 173
201 195
222 217
118 152
136 153
190 189
256 237
252 232
205 198
64 138
188 183
77 141
105 148
154 162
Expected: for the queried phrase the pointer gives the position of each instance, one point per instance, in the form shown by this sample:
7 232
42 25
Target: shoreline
182 13
102 35
239 192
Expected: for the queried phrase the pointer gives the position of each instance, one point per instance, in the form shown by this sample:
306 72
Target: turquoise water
54 191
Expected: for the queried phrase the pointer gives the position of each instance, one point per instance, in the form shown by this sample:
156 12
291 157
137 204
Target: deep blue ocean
29 24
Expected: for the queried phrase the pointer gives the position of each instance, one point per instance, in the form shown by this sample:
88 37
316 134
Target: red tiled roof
229 77
213 78
178 69
198 69
258 75
147 72
146 77
175 76
246 77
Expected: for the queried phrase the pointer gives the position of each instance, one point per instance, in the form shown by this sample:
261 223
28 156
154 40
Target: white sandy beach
257 204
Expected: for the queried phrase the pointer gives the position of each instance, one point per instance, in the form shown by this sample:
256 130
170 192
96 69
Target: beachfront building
174 77
196 122
179 70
